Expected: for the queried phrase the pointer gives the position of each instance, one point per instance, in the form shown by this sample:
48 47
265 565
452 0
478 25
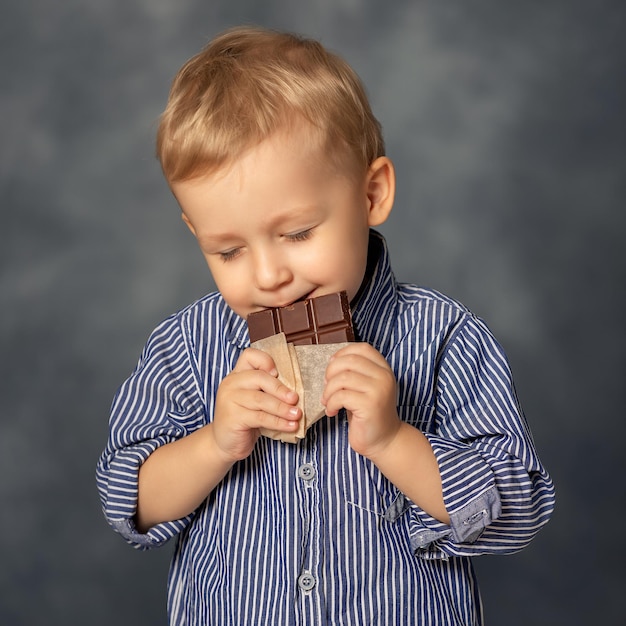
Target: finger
265 404
360 349
253 359
275 387
253 379
348 379
258 410
356 361
273 422
348 399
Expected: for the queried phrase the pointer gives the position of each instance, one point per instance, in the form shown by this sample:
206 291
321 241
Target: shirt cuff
470 496
469 488
119 502
432 539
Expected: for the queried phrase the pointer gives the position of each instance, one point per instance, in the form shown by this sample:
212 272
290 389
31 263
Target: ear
381 189
189 224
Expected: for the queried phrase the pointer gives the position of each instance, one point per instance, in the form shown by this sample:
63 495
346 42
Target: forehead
283 167
301 141
295 155
282 178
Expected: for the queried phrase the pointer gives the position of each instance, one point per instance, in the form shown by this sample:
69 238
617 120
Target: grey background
506 122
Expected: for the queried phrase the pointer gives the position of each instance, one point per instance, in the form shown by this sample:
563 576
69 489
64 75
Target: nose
271 270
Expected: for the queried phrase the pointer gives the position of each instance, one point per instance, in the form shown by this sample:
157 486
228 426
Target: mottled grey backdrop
506 122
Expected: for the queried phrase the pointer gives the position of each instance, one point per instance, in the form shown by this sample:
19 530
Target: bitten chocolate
325 319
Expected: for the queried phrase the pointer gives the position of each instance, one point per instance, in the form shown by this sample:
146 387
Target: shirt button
306 471
306 582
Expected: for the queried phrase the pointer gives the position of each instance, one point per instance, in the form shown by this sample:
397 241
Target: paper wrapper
302 369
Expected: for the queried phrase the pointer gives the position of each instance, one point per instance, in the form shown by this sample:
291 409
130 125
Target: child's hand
359 379
249 398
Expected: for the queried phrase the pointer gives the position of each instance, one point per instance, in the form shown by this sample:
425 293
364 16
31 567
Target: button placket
307 490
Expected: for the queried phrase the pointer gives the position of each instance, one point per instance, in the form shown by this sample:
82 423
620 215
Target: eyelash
229 255
300 236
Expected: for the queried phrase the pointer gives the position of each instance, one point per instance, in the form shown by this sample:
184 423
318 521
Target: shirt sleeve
160 402
495 489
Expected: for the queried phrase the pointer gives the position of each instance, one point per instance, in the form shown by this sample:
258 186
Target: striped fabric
313 533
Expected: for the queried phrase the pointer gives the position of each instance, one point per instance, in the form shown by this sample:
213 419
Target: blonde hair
248 83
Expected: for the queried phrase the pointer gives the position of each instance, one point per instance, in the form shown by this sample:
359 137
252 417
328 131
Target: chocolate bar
325 319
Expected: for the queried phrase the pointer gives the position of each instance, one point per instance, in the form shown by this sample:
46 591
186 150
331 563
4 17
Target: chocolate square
325 319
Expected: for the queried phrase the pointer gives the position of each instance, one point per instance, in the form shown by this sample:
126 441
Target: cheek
224 281
320 262
353 261
340 265
235 295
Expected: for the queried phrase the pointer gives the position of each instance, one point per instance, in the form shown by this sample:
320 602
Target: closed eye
302 235
229 255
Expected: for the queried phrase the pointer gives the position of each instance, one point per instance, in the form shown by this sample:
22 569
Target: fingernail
293 411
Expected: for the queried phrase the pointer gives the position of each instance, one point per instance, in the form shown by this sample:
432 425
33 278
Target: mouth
306 296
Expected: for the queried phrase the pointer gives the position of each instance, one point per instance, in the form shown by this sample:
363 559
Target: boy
424 459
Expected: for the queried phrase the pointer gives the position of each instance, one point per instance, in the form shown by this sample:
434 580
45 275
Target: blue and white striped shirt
313 533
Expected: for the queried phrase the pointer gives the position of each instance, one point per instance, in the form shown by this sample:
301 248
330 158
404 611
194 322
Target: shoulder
211 306
200 320
445 327
426 302
208 305
459 331
437 317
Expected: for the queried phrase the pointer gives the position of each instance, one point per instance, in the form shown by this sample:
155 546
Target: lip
285 303
306 296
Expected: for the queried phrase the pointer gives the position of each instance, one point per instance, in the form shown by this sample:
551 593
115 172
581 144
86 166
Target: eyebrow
216 240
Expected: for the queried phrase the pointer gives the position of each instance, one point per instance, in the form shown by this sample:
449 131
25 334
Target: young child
424 459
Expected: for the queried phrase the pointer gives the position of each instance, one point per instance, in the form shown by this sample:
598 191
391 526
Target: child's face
282 224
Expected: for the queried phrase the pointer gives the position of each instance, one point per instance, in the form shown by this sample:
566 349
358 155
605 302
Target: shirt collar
372 309
235 328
